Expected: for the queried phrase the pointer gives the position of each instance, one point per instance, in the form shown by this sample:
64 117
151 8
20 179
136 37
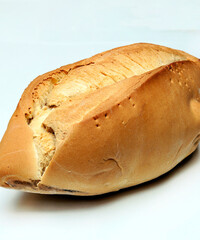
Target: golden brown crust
114 137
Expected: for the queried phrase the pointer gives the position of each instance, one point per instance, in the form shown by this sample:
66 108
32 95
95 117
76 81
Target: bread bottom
34 186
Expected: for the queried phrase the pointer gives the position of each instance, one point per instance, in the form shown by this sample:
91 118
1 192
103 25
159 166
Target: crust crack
116 163
44 137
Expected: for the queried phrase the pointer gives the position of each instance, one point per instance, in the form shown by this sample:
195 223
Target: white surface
38 36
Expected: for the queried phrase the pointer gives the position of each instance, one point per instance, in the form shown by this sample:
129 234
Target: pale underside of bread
112 121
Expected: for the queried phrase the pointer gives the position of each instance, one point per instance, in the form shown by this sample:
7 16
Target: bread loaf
117 119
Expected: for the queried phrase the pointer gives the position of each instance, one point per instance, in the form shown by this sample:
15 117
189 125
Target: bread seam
30 118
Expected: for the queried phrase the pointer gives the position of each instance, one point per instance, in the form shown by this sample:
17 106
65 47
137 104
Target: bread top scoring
64 86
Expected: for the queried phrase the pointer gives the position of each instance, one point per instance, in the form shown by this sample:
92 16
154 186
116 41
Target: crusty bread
117 119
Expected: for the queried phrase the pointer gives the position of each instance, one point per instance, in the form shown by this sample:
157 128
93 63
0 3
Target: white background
38 36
